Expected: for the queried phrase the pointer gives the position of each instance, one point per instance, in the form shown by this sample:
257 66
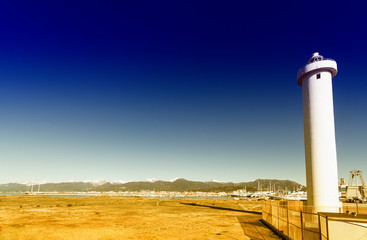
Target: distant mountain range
178 184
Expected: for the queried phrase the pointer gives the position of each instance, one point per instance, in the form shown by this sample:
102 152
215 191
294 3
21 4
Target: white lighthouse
319 133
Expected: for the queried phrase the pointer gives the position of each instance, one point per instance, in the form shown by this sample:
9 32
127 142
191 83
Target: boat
34 193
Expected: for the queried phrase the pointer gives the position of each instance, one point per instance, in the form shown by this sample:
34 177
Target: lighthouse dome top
316 57
317 63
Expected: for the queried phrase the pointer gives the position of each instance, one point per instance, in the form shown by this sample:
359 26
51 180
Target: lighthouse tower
319 133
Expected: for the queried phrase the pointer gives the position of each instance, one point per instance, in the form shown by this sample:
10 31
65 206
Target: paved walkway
254 229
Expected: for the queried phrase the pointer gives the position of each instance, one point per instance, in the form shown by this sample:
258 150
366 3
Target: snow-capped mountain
217 181
97 182
29 183
174 179
175 184
151 180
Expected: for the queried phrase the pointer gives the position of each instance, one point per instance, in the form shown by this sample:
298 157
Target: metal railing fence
342 226
291 219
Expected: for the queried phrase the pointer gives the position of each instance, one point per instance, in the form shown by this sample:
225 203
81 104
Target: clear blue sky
121 90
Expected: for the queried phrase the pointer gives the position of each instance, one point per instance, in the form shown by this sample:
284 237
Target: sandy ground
36 217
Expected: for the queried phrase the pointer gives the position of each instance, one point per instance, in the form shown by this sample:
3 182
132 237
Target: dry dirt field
40 217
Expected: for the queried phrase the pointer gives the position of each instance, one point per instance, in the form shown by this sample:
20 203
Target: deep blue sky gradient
123 90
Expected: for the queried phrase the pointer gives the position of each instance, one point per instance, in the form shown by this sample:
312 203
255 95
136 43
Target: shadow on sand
221 208
250 223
